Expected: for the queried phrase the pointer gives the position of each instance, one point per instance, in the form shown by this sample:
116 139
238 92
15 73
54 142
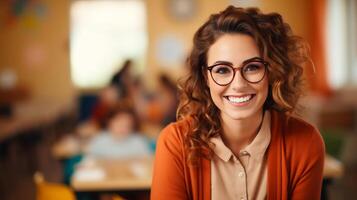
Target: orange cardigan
295 163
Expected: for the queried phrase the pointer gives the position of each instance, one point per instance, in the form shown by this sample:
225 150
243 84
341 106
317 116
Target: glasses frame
240 68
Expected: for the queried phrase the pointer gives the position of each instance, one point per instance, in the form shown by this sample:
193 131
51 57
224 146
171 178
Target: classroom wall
162 22
37 49
296 13
48 73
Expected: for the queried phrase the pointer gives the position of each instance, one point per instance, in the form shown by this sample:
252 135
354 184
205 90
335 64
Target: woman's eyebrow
252 59
223 62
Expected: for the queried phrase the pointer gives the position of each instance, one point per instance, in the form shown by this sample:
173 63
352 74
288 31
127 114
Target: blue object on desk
69 165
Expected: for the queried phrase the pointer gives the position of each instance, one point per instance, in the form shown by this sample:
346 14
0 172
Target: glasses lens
254 71
222 74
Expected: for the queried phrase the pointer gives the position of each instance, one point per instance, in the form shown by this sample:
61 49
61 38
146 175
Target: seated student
120 137
122 79
108 98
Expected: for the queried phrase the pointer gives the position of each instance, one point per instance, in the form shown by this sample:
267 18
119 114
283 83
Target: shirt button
241 174
244 153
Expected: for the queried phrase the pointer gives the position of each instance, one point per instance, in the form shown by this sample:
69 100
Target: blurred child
108 98
120 137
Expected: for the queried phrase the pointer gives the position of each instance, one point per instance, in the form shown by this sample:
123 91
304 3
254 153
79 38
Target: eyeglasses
252 70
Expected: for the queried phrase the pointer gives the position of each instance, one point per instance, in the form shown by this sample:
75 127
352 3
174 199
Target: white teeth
239 99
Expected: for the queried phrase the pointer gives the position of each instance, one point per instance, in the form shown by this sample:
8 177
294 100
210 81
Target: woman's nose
238 81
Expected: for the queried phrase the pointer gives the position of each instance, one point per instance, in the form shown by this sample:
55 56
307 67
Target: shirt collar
256 149
261 141
220 149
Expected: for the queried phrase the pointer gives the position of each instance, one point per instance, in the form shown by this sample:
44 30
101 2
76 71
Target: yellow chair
117 197
51 191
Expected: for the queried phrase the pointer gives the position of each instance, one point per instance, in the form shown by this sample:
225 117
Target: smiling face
240 99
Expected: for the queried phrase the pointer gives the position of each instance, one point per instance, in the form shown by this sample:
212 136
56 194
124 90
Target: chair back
51 191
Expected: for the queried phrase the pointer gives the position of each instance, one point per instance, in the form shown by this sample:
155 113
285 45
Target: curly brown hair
284 52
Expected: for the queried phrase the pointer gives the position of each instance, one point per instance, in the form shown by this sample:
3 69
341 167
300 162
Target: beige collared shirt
244 177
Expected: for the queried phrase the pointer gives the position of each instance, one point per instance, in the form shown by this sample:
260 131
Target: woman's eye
222 69
253 67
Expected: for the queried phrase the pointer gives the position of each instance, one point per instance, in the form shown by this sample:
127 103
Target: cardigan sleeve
168 176
310 170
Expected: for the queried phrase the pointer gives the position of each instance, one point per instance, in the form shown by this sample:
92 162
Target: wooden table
113 175
333 168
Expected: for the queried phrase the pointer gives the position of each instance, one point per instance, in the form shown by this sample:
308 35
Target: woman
236 137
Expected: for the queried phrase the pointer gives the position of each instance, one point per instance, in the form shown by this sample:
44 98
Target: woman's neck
237 134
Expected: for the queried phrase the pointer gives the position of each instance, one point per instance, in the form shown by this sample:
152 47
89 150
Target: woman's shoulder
178 128
300 134
175 132
298 127
293 125
171 141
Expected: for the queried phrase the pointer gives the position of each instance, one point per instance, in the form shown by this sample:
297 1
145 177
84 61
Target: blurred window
342 42
104 33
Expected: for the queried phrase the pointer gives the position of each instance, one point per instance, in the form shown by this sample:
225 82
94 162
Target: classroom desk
113 175
333 168
136 174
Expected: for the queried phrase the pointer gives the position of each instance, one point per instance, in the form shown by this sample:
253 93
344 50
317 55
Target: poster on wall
169 51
